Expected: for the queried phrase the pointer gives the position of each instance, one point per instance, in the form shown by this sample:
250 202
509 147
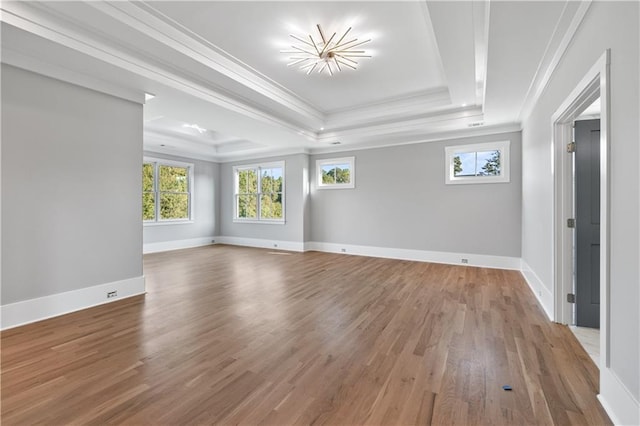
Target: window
259 193
477 163
166 191
336 173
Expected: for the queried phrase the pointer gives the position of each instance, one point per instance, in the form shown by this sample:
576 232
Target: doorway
568 273
586 171
586 191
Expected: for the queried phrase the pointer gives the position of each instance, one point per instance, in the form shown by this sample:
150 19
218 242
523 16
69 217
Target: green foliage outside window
457 165
477 163
267 200
492 166
339 174
173 192
148 196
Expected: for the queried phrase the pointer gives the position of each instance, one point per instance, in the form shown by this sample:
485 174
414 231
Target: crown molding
442 120
35 20
263 155
159 27
29 63
417 139
388 109
558 44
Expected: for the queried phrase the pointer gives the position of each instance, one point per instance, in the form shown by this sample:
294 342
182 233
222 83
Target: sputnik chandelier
325 54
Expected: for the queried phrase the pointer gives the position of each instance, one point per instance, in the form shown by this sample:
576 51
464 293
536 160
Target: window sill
346 186
261 222
169 222
474 180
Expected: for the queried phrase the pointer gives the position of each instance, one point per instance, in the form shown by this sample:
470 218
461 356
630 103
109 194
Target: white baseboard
261 243
482 260
176 244
32 310
501 262
617 401
542 293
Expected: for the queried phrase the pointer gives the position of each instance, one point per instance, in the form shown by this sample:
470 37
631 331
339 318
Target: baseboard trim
486 261
542 293
176 244
32 310
621 407
261 243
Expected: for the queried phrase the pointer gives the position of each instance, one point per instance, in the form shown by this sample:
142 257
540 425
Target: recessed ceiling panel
404 58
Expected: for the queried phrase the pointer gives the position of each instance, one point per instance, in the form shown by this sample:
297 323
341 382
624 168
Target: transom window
477 163
259 193
336 173
166 191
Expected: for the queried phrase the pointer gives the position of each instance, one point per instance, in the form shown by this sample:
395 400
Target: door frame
593 85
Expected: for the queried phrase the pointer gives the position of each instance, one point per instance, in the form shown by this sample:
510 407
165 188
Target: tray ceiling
438 69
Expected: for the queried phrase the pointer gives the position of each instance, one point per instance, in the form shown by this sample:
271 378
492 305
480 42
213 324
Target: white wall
401 201
71 165
205 214
611 25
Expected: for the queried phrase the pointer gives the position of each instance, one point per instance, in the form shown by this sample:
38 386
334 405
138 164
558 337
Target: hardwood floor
232 335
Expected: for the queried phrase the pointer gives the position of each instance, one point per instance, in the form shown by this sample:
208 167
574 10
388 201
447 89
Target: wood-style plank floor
230 335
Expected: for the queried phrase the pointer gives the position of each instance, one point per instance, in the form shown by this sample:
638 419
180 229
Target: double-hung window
259 193
167 188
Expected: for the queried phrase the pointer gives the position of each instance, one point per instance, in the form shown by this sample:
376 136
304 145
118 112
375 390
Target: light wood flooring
589 338
230 335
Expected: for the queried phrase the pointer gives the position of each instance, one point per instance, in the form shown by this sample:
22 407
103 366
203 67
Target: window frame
157 162
452 151
336 161
258 167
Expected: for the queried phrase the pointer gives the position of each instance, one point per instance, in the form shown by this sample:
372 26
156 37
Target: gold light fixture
325 54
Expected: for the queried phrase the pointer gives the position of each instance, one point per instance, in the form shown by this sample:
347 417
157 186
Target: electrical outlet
112 294
465 261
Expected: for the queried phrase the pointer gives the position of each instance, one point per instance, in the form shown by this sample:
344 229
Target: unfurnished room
320 212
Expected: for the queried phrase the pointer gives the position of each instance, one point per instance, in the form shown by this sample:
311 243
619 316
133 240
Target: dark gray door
587 176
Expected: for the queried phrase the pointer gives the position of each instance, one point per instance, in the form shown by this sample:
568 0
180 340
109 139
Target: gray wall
71 165
607 25
293 229
205 214
401 201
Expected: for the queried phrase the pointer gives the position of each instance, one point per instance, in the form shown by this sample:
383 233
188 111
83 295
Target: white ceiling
438 69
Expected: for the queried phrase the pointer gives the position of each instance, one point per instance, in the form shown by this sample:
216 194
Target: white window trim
259 166
161 161
335 161
452 151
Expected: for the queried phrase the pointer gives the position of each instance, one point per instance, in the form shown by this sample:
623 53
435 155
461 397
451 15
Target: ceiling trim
435 137
558 44
29 63
256 154
456 54
425 124
390 108
36 21
170 33
481 20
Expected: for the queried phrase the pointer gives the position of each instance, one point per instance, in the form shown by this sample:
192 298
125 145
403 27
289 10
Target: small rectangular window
166 191
477 163
259 193
336 173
